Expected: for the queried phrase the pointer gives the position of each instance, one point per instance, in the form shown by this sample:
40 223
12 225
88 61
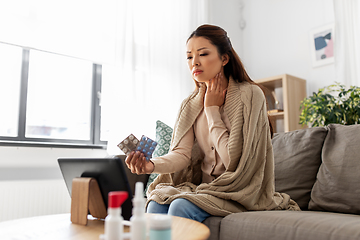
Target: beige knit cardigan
248 183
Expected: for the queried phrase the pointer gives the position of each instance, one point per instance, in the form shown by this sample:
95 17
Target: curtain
149 78
347 39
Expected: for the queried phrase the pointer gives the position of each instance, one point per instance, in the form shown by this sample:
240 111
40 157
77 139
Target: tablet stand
86 198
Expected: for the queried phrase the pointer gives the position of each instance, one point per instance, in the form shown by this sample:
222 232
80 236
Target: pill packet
128 144
146 146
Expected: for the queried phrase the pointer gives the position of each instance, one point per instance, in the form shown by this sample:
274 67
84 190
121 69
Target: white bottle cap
160 221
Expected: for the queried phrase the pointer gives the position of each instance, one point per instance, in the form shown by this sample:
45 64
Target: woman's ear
225 59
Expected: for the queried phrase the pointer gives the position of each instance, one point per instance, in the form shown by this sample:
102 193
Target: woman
220 160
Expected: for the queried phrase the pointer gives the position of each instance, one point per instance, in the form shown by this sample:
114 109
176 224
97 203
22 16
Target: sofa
320 169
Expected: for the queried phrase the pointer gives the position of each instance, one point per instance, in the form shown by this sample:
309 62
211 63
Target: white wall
38 163
42 156
276 39
227 14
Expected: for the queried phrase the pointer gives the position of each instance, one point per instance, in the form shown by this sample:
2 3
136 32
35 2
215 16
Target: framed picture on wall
322 45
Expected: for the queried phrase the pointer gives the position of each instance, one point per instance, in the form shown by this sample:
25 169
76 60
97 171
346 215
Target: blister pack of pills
128 144
144 145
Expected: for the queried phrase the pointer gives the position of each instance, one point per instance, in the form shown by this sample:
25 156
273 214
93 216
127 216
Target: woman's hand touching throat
216 91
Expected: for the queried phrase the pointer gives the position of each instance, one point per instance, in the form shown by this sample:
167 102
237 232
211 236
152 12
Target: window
59 97
10 71
48 98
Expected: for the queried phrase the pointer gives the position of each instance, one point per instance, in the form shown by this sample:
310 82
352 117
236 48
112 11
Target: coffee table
59 226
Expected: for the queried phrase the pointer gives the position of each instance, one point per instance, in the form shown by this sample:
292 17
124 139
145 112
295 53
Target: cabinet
284 94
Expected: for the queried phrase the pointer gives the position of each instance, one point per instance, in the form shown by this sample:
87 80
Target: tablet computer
108 172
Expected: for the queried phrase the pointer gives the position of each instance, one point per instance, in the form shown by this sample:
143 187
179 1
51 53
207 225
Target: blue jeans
179 207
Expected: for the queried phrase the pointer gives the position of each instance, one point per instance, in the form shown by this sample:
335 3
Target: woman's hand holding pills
137 163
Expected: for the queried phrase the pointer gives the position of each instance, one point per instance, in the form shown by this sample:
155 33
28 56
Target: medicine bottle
113 221
160 227
138 219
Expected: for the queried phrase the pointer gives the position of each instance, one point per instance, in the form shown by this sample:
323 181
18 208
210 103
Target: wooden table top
59 226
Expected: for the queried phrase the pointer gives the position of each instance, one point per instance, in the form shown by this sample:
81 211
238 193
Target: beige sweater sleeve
178 158
219 134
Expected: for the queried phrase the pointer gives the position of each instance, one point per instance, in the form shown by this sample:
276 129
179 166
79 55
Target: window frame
21 140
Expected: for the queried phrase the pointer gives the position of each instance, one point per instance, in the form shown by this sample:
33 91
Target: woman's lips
197 72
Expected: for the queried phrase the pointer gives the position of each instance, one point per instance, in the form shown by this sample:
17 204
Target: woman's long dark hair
234 68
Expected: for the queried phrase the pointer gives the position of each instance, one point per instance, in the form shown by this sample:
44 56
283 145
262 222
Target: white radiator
19 199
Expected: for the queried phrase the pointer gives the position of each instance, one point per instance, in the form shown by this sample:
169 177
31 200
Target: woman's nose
196 61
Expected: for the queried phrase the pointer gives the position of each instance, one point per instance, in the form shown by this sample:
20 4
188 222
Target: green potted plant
332 104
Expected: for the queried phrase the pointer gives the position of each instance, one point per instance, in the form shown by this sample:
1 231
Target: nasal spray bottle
138 219
114 229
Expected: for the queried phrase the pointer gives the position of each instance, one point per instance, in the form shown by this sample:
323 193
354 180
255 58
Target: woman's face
203 59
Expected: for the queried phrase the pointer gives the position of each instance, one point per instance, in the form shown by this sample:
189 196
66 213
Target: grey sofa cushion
213 223
297 156
337 188
294 225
